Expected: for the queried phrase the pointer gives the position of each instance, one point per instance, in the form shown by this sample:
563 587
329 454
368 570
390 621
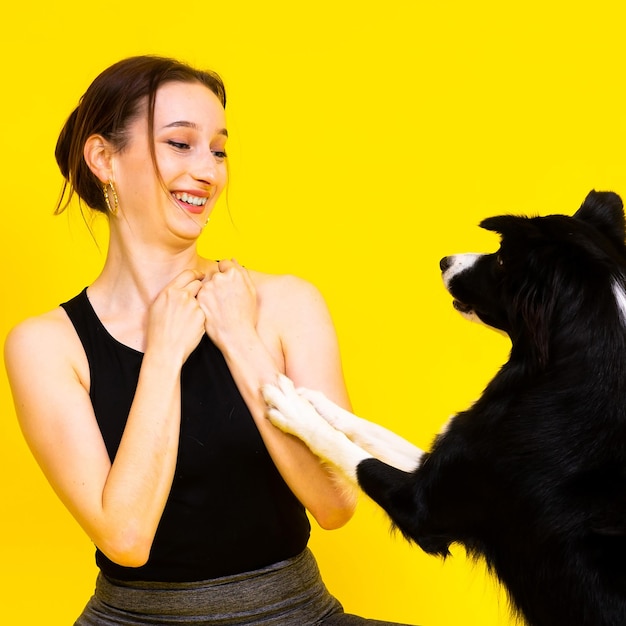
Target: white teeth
189 199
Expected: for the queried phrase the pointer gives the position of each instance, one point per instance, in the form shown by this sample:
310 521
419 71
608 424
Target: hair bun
64 145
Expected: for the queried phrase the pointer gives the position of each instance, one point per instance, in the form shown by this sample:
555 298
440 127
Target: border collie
532 477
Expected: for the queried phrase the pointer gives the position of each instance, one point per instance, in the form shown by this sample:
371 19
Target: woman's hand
175 319
229 302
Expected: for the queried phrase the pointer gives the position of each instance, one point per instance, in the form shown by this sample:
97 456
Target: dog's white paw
336 416
289 411
280 402
325 407
294 414
280 421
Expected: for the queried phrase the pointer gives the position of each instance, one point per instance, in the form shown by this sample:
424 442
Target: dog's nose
445 263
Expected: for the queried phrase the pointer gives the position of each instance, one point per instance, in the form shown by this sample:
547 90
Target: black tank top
229 510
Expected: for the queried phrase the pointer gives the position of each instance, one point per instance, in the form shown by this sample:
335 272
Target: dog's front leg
380 442
395 490
295 415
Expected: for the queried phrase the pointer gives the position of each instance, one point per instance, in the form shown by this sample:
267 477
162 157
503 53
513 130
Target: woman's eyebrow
185 124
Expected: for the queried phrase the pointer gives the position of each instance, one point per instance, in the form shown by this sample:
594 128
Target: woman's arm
119 505
281 325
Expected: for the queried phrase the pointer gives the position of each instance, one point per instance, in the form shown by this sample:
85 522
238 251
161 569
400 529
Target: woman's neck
134 277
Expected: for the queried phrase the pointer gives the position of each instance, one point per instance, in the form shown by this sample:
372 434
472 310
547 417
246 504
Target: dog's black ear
502 224
515 227
604 210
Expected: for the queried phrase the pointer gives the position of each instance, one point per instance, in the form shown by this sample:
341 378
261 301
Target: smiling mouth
187 198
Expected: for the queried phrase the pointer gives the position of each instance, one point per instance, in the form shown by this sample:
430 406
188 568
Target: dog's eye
499 260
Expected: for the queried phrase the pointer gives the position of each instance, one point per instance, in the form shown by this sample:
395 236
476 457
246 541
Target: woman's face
190 139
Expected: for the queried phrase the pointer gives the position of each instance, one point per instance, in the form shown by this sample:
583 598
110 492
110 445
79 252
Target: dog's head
546 271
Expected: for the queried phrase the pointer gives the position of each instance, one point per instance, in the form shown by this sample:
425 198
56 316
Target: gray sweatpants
289 593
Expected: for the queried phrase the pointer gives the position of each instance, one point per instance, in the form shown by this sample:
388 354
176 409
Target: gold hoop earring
116 203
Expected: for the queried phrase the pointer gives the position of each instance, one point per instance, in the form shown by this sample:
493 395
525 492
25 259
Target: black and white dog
533 476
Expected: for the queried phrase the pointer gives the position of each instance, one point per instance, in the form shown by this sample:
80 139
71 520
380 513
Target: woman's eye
178 144
219 154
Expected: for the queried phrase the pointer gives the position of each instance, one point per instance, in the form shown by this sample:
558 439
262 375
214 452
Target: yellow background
368 139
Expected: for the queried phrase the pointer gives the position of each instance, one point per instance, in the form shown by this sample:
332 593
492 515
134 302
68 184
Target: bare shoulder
295 311
288 294
39 331
43 342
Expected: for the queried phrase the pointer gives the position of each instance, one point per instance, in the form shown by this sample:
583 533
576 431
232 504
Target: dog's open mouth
461 307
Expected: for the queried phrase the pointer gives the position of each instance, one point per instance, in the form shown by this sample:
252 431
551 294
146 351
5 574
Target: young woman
139 397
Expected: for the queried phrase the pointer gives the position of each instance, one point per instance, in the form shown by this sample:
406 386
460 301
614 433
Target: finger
194 287
233 263
247 277
224 265
186 277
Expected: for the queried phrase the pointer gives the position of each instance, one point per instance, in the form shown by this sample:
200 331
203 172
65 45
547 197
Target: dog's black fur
533 476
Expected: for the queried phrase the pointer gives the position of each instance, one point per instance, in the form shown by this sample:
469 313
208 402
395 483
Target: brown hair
112 101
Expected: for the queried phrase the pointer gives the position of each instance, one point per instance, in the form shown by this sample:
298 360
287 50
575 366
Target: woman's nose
206 168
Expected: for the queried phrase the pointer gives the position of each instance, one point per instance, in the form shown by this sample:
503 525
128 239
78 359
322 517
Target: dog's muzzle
451 266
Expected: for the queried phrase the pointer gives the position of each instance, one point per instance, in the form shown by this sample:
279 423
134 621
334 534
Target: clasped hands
222 304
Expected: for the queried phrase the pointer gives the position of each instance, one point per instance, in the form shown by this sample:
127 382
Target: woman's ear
98 154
